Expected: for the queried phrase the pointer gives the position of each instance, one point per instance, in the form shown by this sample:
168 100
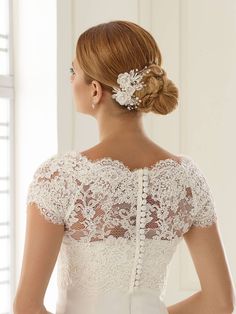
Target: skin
120 131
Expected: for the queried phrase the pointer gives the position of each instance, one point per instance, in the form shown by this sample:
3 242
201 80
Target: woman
114 214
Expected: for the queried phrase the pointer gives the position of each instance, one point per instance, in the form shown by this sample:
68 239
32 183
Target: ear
96 92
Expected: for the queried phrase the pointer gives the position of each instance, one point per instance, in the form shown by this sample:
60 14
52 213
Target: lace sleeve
48 189
204 212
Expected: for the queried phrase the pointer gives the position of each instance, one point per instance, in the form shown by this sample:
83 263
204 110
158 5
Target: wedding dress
122 228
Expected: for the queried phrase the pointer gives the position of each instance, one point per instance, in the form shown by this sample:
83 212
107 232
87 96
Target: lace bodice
121 226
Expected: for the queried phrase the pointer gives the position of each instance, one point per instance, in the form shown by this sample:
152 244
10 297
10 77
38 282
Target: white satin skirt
140 301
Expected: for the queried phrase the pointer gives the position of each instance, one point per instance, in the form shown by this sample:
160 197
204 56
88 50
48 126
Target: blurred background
197 40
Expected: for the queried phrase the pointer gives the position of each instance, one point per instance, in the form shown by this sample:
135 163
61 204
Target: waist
139 301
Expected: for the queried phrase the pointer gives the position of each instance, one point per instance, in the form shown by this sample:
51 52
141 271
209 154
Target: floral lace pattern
96 201
90 267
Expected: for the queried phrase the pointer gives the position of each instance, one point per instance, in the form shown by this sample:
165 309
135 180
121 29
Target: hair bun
160 94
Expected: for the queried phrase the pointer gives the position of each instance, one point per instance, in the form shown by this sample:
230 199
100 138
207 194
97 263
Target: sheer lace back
98 199
122 226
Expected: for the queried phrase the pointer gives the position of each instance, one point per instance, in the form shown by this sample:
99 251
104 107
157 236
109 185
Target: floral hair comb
129 83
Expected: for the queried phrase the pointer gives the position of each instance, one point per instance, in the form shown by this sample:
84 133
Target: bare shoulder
93 152
134 153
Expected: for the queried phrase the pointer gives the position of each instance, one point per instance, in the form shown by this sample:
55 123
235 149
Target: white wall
35 60
207 120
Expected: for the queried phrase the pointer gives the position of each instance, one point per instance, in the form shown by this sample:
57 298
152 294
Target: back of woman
114 215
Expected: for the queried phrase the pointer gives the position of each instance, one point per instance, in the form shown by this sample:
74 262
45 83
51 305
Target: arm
42 244
217 293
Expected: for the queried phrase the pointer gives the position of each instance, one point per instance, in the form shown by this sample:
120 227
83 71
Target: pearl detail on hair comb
129 83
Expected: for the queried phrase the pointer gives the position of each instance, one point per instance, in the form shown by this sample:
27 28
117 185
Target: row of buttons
142 226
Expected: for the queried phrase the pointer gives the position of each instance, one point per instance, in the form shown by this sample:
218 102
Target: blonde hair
108 49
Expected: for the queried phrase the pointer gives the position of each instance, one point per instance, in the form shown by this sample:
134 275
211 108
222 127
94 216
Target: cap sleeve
48 189
204 209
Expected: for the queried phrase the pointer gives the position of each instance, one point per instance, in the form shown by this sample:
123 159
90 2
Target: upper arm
48 201
207 252
205 244
42 244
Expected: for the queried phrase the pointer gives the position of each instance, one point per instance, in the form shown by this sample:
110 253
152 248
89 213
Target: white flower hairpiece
129 83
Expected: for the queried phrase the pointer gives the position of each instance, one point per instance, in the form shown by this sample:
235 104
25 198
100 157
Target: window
7 276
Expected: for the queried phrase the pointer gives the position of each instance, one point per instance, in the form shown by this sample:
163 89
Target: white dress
122 228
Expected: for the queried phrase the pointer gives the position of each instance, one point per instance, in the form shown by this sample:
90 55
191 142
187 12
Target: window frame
7 91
